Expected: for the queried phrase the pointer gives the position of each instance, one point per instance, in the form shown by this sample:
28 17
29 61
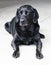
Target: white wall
6 3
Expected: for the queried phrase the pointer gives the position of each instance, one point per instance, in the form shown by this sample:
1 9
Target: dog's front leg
38 49
15 47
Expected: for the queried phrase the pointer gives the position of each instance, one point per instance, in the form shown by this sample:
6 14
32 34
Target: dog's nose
23 16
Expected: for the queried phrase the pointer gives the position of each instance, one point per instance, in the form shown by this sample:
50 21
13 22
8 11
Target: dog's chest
26 34
26 31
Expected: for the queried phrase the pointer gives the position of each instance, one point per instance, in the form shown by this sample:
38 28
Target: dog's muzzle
23 22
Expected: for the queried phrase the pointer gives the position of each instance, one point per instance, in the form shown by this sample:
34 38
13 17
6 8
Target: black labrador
24 28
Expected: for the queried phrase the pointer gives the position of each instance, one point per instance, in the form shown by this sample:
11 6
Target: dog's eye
21 12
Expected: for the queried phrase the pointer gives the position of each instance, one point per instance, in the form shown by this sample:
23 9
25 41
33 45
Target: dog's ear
17 13
35 16
17 16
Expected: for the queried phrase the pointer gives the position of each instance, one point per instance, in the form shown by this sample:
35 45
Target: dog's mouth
23 24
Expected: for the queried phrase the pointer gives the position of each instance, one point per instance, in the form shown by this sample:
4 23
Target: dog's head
26 15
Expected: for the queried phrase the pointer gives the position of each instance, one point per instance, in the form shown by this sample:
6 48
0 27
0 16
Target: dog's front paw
16 54
39 55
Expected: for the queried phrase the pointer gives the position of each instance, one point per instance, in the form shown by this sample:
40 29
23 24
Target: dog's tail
7 27
41 35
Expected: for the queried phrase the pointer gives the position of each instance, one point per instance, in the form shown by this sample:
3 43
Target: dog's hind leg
7 27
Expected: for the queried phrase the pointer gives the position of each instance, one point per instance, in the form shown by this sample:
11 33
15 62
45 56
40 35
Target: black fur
24 28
